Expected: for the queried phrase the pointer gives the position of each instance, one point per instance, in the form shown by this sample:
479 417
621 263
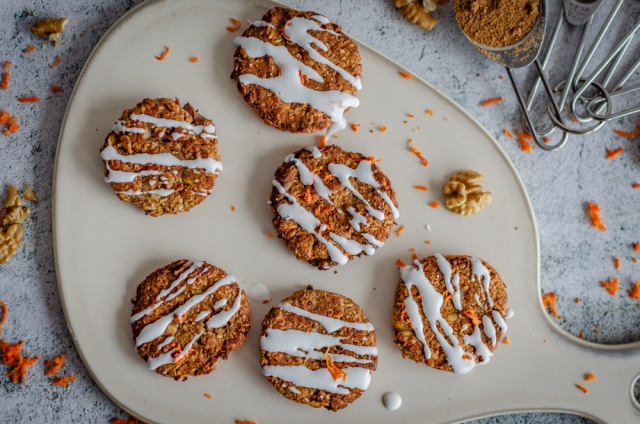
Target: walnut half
418 11
468 197
49 29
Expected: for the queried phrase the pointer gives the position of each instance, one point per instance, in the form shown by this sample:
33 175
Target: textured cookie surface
297 70
317 348
450 310
330 206
162 157
187 316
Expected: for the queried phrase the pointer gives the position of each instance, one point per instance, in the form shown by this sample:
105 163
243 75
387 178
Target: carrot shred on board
635 291
399 230
578 300
524 144
13 125
236 25
628 134
472 316
527 136
467 357
506 340
5 312
508 133
208 396
594 214
245 422
611 286
383 129
636 247
635 260
581 335
5 117
418 153
616 263
54 365
28 99
323 141
637 185
545 140
5 80
20 366
194 59
613 153
584 389
434 205
56 88
428 112
549 301
29 49
164 54
6 65
269 235
126 421
233 208
410 115
590 377
491 101
400 263
405 75
414 257
373 159
419 187
56 63
10 353
354 127
335 372
427 242
63 381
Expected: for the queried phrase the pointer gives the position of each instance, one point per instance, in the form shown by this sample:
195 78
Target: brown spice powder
496 23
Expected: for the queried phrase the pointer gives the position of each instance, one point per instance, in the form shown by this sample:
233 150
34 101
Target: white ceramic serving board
105 247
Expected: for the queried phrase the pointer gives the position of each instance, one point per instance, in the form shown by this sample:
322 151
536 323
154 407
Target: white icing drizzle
202 315
452 282
479 270
162 192
120 127
499 320
172 123
174 294
168 358
258 292
509 313
164 159
391 401
176 136
126 176
165 342
475 340
322 19
307 178
220 303
371 239
356 219
183 275
300 375
352 246
259 24
288 86
294 390
222 317
315 152
330 324
161 134
489 329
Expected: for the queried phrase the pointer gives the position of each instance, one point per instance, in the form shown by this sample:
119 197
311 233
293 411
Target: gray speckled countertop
574 256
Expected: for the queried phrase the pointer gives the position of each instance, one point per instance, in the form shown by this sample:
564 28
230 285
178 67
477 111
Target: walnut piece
11 237
10 240
418 11
30 195
49 29
468 197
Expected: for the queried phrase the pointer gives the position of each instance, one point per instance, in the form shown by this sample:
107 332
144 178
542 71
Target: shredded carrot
13 125
472 316
410 115
164 54
335 372
581 335
526 147
549 301
635 291
354 127
636 185
405 75
10 353
233 208
56 62
269 235
467 357
500 76
400 263
194 59
594 214
28 99
427 242
383 129
236 25
5 312
373 159
428 112
6 65
613 153
628 134
414 257
506 340
54 365
635 260
589 377
419 187
56 88
127 421
245 422
636 247
578 300
208 396
508 133
418 153
399 230
527 136
5 80
434 205
63 381
4 117
323 141
611 286
19 371
30 49
5 133
616 262
491 101
584 389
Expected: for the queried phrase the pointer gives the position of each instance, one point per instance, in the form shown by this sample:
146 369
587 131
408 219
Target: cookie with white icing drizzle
162 157
187 316
298 71
317 348
330 206
449 312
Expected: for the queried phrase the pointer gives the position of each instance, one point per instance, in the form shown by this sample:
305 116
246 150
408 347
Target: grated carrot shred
549 301
6 65
245 422
13 125
323 141
467 357
506 340
354 127
208 396
577 300
236 25
611 286
508 133
637 185
524 144
383 129
635 260
56 88
418 153
581 335
20 366
428 112
427 242
590 377
54 365
434 205
616 262
399 230
472 316
5 312
56 62
613 153
628 134
29 49
410 115
373 159
194 59
164 54
5 117
335 372
269 235
584 389
414 257
419 187
405 75
491 101
233 208
10 353
63 381
28 99
545 140
594 214
636 247
127 421
635 291
400 263
5 80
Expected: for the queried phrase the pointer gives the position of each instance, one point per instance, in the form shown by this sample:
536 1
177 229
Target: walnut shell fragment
468 197
418 11
49 29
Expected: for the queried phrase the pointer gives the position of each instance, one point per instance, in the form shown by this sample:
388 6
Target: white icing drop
479 270
165 159
391 401
352 246
357 378
177 136
475 340
307 178
294 390
371 239
356 219
330 324
202 315
509 313
119 127
161 134
452 282
489 329
165 342
428 227
315 152
258 292
220 303
499 320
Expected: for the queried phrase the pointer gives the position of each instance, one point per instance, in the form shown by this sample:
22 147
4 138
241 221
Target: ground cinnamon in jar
496 23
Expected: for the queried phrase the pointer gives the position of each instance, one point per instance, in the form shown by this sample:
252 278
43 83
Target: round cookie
330 206
298 71
186 317
162 157
317 348
449 322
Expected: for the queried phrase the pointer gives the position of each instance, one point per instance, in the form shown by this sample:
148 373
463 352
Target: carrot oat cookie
317 348
330 206
162 157
455 314
187 316
298 71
